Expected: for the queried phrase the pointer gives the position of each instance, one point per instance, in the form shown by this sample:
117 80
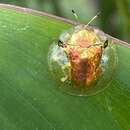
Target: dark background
114 18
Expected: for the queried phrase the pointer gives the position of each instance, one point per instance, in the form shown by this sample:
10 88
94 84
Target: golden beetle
82 60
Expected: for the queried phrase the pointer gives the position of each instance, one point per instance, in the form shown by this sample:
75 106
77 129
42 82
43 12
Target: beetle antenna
76 16
96 16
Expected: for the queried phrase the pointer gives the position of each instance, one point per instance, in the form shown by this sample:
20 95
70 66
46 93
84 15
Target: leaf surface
29 99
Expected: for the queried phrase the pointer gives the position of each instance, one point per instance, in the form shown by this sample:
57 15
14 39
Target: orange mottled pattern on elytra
85 62
83 38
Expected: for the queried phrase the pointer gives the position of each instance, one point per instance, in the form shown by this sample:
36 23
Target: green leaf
29 99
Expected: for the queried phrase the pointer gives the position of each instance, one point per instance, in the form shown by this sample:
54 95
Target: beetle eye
105 44
60 43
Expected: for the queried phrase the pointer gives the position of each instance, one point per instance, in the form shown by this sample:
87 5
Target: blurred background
114 19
